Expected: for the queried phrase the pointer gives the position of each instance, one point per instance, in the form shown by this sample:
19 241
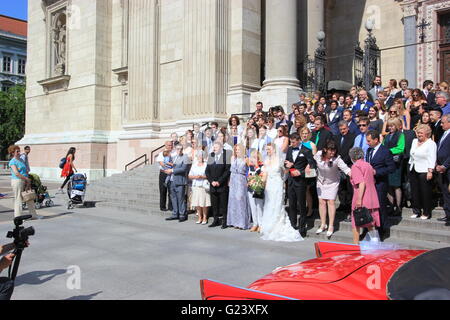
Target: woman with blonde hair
306 135
395 142
20 182
201 199
422 162
239 211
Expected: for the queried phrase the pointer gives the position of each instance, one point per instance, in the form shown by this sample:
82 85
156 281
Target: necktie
362 140
317 137
369 155
342 141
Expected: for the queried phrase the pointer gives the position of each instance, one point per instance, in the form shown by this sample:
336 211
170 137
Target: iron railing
135 161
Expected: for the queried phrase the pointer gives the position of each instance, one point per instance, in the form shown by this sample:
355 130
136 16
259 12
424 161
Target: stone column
410 30
245 48
281 86
316 23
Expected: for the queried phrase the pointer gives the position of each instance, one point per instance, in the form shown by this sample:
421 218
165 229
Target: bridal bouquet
256 184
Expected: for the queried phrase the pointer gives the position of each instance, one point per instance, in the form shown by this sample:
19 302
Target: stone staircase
138 191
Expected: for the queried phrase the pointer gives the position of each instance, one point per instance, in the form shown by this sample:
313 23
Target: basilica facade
114 78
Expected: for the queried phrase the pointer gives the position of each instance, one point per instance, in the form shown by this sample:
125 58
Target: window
6 64
5 86
21 66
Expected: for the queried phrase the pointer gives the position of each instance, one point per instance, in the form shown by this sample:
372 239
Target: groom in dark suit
297 160
218 174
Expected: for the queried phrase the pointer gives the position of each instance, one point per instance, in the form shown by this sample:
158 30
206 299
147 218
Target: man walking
24 158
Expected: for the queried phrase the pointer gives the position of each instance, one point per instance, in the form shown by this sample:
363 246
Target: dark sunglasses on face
362 125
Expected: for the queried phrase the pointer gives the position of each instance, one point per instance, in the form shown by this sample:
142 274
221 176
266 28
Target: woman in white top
422 162
201 199
271 129
282 142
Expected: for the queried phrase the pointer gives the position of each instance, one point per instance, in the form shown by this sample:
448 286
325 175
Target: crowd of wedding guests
383 149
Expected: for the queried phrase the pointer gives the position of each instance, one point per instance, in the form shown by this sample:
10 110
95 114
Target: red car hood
330 269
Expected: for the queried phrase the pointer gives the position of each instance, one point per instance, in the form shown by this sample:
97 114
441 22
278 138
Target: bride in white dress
275 225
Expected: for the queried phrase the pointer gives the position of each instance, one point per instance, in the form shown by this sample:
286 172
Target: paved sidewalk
125 255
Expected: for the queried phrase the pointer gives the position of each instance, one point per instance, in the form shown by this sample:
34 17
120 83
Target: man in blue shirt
361 139
443 101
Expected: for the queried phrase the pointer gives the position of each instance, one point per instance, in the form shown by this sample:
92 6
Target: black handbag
362 216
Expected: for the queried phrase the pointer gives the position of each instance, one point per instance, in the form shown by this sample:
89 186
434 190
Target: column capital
409 8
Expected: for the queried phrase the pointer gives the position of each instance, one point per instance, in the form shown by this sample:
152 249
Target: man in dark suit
345 141
443 166
178 183
431 96
404 84
435 118
381 159
282 119
364 104
218 173
320 135
298 157
334 116
347 116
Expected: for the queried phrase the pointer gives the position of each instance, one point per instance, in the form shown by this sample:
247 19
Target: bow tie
295 149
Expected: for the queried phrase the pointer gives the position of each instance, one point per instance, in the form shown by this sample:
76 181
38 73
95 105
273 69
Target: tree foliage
12 118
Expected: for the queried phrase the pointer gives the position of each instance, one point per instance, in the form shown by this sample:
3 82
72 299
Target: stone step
420 232
347 237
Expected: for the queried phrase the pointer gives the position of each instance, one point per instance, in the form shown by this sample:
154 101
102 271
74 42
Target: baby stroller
42 196
76 190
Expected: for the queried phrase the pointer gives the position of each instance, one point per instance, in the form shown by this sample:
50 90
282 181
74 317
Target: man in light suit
381 159
376 88
178 182
443 166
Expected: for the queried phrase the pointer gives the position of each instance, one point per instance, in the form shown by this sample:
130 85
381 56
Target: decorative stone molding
428 67
122 75
55 83
409 8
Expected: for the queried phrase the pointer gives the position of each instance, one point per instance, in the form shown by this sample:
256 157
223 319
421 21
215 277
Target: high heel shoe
330 233
321 229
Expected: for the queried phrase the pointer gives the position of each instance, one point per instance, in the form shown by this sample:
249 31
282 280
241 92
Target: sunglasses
362 125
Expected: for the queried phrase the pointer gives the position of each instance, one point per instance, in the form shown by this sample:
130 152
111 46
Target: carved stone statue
59 47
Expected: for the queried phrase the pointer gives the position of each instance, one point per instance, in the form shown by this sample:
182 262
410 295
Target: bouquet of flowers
256 184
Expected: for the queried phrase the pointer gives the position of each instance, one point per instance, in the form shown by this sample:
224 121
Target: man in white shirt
24 158
164 192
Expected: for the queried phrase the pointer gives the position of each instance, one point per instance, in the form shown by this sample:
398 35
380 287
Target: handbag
362 217
206 185
28 195
312 174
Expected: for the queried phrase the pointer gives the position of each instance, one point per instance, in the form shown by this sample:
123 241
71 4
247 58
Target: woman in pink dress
364 193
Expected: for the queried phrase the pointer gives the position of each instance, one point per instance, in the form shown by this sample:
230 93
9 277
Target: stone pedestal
281 86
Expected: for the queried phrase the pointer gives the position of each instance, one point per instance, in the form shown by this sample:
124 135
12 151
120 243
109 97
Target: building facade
13 51
114 78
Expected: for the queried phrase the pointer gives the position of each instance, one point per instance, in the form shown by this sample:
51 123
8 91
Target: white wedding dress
275 225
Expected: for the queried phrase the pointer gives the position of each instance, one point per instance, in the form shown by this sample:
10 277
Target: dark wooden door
444 46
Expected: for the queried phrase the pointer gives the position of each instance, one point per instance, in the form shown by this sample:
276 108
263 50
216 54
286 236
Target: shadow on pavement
85 297
38 277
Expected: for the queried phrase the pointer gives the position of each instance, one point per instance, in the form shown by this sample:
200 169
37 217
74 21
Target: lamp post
371 56
320 63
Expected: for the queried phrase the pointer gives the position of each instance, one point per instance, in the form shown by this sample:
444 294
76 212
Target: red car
344 272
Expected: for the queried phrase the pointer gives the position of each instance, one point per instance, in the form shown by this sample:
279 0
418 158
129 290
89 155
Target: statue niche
59 33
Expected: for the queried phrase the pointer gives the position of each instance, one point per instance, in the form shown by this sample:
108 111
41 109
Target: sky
15 8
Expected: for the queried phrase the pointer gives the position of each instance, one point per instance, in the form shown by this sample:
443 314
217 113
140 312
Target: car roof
425 277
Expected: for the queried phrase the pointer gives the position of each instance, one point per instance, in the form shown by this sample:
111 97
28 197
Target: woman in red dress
69 168
364 193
